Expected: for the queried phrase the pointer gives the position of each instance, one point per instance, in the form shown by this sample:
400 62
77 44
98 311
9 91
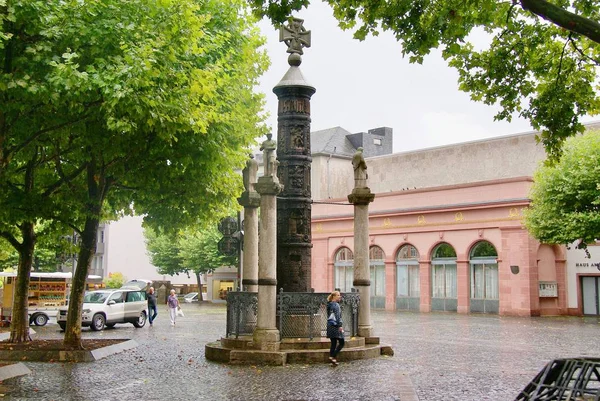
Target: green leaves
191 250
112 107
565 197
541 63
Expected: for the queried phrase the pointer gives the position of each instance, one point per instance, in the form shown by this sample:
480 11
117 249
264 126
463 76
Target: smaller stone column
250 199
266 336
361 196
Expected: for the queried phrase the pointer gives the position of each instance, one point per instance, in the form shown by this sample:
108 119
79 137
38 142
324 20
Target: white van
105 308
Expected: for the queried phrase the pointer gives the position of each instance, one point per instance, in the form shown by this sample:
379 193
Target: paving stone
437 356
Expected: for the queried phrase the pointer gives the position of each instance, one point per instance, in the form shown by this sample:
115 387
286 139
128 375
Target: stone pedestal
266 335
361 197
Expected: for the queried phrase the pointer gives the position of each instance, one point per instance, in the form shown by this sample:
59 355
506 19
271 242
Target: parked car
105 308
191 297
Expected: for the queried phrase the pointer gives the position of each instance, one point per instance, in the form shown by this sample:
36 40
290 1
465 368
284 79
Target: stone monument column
266 335
293 152
361 196
250 199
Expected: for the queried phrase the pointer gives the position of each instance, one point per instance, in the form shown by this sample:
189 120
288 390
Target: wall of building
127 253
503 157
329 175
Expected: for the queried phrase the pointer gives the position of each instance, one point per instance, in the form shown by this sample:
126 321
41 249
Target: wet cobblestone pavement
446 356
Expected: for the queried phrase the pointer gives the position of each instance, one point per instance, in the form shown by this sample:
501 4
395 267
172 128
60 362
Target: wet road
444 356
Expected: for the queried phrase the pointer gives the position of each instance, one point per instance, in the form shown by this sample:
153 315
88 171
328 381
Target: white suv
105 308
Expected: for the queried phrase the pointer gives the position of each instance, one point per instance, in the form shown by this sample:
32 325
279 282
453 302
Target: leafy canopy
565 197
191 250
541 62
114 280
107 104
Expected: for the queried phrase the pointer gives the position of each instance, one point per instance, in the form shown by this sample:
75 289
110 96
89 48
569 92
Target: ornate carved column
293 152
250 199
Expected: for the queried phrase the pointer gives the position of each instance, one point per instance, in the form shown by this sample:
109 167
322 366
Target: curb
67 356
14 370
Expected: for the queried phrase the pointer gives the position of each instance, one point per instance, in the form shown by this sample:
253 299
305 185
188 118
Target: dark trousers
336 346
152 312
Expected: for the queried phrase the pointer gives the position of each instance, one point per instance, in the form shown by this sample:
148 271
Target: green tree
565 197
114 280
138 102
193 250
541 61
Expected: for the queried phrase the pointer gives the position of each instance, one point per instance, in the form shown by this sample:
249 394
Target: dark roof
331 141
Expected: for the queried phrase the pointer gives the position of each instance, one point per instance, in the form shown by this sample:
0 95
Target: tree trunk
199 279
87 249
19 326
97 188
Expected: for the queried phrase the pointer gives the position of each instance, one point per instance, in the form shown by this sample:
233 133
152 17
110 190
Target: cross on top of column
296 37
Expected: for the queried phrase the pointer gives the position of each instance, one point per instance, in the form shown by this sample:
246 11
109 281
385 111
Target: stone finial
268 147
360 169
249 173
296 37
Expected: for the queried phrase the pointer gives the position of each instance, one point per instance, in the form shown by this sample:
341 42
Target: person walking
152 310
173 304
335 329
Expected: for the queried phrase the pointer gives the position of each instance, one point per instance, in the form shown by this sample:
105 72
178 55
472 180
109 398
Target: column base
266 339
365 331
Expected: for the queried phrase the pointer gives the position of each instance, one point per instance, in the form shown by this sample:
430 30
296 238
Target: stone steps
241 351
318 343
245 342
322 355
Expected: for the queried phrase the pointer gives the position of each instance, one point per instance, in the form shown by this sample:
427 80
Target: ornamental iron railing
565 379
242 310
299 314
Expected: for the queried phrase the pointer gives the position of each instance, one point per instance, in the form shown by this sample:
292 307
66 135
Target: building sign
548 289
588 264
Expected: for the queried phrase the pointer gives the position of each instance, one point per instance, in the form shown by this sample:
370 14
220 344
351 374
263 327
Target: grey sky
363 85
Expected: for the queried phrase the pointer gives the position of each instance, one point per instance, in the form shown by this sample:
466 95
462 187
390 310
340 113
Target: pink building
445 228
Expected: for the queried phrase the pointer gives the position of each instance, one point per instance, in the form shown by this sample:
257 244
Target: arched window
483 259
377 266
407 278
443 278
344 269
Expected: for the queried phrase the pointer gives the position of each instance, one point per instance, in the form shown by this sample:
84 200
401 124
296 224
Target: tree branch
562 55
63 179
563 18
11 238
583 55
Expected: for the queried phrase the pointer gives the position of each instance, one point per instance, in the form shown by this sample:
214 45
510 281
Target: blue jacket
333 330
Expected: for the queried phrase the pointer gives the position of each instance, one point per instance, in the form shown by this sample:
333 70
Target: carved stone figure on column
249 173
360 169
268 147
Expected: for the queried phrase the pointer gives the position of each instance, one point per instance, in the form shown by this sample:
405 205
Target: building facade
446 230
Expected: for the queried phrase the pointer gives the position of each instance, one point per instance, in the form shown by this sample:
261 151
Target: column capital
249 199
361 282
268 186
361 196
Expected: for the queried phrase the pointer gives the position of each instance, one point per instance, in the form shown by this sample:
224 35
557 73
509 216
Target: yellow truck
47 292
